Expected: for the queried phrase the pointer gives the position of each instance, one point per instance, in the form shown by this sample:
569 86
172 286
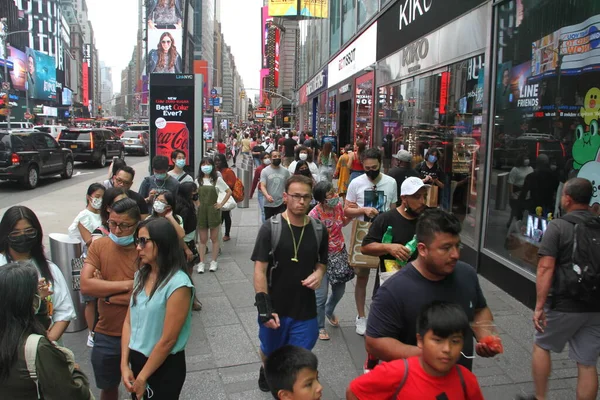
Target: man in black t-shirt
313 144
404 168
436 274
285 282
124 179
289 145
256 150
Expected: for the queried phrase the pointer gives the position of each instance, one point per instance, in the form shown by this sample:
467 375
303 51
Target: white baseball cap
412 185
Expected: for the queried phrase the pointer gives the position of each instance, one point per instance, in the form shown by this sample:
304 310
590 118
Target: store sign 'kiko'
415 52
412 9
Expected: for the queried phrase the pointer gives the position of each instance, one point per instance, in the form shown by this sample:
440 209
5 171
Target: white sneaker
90 341
213 266
200 267
361 325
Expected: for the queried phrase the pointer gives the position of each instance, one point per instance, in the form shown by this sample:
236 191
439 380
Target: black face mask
372 174
276 162
411 212
306 172
22 244
195 197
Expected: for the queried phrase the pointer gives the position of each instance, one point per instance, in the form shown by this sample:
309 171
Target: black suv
25 156
92 144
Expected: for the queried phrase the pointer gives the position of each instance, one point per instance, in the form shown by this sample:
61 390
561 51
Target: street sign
5 86
28 116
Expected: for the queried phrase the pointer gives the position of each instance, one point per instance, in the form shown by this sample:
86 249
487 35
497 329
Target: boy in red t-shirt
441 328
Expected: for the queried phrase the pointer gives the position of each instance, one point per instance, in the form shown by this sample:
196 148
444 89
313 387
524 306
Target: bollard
247 181
502 191
65 252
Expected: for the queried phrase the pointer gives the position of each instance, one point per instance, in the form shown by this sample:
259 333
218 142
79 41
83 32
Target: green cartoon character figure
586 144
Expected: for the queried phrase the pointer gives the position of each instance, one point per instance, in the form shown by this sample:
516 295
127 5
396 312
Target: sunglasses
142 241
166 41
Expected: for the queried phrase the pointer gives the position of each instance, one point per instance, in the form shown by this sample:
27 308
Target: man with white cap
403 169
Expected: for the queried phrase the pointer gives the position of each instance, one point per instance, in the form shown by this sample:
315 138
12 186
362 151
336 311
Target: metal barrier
502 191
65 252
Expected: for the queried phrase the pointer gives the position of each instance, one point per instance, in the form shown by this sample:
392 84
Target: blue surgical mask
206 169
432 158
160 177
180 163
121 241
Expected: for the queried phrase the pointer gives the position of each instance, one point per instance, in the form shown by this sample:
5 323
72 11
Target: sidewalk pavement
222 353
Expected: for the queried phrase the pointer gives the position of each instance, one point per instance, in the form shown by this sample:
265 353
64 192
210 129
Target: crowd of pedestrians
429 314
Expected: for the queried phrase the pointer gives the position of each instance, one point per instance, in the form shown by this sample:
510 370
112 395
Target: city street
222 354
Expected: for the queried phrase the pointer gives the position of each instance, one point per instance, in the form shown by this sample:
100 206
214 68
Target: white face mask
96 203
159 206
526 162
303 156
267 161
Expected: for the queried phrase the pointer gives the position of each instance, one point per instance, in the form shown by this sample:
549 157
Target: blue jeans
326 304
261 205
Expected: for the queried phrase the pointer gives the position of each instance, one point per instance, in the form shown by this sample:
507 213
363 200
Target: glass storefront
363 108
545 119
441 109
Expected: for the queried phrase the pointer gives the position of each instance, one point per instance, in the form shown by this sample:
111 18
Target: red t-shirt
383 381
221 147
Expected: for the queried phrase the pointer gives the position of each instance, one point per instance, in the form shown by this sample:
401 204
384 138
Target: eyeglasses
27 232
166 41
121 226
122 182
142 241
298 197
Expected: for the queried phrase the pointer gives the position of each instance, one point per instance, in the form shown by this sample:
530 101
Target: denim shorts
293 332
106 361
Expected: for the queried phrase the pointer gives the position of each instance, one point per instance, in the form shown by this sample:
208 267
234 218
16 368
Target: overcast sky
115 29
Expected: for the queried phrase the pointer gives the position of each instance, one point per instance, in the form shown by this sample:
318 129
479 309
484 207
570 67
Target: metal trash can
502 191
65 252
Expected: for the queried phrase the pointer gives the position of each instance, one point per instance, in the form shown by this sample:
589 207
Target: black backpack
581 279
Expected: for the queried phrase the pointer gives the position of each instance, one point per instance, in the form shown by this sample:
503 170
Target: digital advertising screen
172 115
283 8
67 97
41 75
164 51
18 75
314 8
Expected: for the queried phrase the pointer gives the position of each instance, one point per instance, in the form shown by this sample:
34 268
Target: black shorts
106 361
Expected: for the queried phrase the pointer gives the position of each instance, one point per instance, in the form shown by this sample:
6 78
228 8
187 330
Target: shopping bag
432 196
355 257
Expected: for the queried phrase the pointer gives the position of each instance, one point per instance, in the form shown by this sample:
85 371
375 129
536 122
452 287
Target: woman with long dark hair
355 160
21 238
210 185
230 179
56 378
158 322
165 58
303 153
327 162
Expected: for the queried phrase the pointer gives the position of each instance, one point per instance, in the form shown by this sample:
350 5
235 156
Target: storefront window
366 9
322 115
348 19
440 110
545 119
335 17
363 121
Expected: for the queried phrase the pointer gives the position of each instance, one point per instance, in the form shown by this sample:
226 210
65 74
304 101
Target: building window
335 16
366 10
545 119
348 19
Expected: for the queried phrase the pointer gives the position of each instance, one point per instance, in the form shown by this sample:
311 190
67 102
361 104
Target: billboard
165 36
67 97
266 22
579 46
41 75
207 128
85 90
172 115
283 8
314 8
18 75
276 60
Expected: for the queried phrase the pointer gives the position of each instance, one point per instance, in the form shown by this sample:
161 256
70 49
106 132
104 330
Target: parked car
530 145
136 142
138 127
116 130
95 145
26 156
53 130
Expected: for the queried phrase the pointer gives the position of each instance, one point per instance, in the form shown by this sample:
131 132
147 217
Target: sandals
332 320
323 335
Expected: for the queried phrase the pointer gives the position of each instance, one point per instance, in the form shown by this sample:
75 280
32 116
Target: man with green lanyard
287 270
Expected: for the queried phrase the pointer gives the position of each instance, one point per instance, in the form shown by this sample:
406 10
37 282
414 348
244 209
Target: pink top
334 222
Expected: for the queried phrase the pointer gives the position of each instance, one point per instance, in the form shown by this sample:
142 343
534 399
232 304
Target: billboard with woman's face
165 36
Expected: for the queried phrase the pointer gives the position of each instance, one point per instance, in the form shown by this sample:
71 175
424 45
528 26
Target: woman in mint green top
158 323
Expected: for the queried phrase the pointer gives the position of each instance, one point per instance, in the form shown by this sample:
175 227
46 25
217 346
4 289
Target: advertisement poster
363 124
314 8
164 51
172 115
578 44
266 22
207 128
41 75
276 62
282 8
18 75
85 90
